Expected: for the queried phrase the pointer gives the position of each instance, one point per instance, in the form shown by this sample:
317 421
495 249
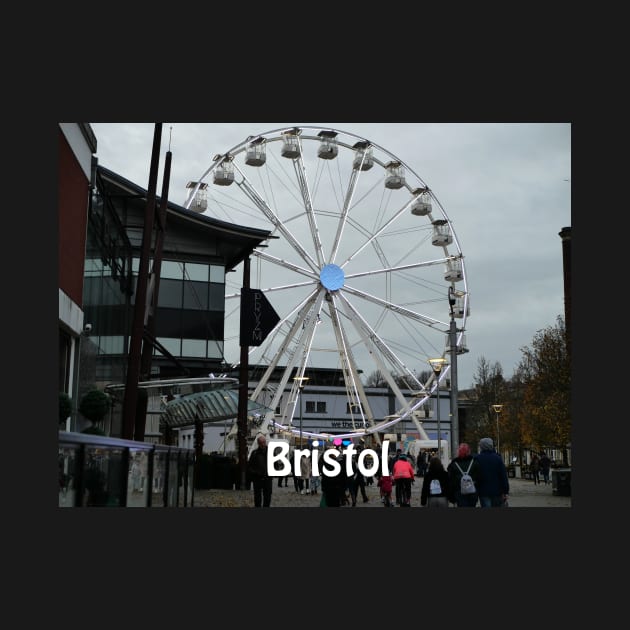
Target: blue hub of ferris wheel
332 277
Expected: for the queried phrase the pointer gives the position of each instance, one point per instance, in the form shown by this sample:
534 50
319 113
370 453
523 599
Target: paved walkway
523 493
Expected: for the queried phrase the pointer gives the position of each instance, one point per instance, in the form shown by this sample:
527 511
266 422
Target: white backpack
435 487
466 483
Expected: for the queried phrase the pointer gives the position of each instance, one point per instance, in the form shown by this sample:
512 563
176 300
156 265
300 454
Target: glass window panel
196 295
215 350
171 269
193 347
197 325
137 482
309 406
172 345
168 323
170 293
135 265
321 407
67 476
181 477
217 274
217 297
93 266
196 271
173 477
103 477
159 471
111 344
190 490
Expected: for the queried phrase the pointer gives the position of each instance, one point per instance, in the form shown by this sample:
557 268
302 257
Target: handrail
103 471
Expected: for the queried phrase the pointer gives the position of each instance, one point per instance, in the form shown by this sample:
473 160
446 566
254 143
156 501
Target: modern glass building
197 252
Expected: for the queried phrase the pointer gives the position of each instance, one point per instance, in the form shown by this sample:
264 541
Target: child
385 484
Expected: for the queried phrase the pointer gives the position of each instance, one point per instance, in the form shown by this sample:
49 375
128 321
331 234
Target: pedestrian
281 478
534 466
357 483
294 475
545 465
422 463
493 488
316 480
333 486
435 485
385 484
404 476
463 463
397 488
257 469
305 473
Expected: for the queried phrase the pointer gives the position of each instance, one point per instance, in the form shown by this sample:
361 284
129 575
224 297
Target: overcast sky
505 188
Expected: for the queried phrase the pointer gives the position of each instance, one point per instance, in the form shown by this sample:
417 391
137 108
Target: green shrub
94 405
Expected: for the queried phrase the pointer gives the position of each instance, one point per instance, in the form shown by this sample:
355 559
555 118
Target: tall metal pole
243 395
300 395
436 366
454 391
135 342
437 415
301 381
498 409
498 435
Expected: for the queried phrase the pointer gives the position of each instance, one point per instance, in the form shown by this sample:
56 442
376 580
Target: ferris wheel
362 266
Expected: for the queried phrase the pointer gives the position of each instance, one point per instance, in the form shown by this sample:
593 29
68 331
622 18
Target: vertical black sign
258 318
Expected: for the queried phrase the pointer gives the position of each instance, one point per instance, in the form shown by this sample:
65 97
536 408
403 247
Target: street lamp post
437 365
452 336
498 409
301 381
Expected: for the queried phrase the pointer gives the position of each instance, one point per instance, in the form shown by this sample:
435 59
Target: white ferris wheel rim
333 275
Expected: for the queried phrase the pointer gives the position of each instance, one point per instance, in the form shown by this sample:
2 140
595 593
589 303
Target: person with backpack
435 485
464 475
493 487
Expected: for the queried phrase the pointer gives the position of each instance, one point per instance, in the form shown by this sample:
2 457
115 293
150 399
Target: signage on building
258 317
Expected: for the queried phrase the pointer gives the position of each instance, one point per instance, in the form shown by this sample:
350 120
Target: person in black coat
257 469
435 471
333 486
493 487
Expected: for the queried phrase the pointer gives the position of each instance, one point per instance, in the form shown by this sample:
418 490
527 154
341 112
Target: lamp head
301 381
437 364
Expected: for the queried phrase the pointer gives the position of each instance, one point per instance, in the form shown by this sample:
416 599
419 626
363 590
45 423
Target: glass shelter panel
67 476
159 478
104 481
137 480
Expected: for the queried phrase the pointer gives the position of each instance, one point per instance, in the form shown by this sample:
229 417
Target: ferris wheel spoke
377 233
374 272
371 337
300 172
380 349
354 177
251 192
395 308
286 264
296 337
354 386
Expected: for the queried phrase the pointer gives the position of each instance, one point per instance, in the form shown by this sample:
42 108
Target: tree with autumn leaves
536 413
